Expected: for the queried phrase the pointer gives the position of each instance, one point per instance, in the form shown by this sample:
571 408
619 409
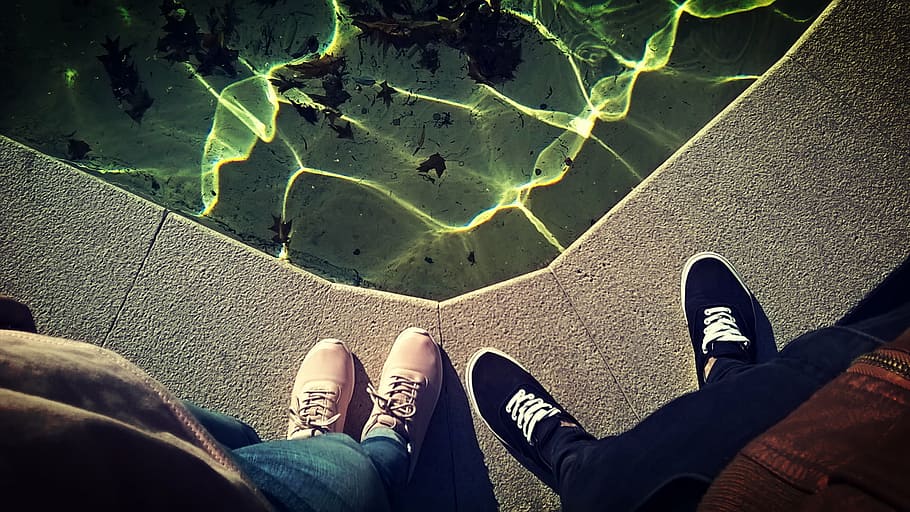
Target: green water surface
401 167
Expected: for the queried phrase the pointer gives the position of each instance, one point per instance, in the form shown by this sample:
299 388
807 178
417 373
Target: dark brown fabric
81 427
846 448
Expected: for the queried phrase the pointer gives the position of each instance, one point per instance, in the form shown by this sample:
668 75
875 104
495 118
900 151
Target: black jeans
668 460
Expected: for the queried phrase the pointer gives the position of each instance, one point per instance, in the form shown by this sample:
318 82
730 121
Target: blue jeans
668 460
331 472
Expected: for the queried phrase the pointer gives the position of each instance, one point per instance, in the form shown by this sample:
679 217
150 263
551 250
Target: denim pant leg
325 473
389 453
697 434
227 430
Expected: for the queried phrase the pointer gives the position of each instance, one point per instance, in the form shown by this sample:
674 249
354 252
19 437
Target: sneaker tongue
410 375
545 428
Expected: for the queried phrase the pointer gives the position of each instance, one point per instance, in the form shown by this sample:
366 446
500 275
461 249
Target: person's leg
320 469
692 437
879 314
889 295
317 467
403 404
698 434
718 420
388 450
740 399
227 430
329 472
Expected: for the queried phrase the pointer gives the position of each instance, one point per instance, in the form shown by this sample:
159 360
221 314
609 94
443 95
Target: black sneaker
15 315
723 316
516 408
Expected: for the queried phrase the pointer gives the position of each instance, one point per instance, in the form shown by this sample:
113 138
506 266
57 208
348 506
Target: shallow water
419 149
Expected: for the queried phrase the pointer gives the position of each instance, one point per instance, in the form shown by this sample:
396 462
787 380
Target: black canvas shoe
723 316
15 315
516 408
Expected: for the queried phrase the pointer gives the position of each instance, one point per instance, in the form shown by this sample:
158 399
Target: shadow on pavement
450 474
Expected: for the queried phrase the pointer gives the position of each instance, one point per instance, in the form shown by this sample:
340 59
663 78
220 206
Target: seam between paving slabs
448 410
881 137
584 325
148 251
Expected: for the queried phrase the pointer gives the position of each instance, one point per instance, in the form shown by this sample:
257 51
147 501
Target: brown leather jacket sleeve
81 428
846 448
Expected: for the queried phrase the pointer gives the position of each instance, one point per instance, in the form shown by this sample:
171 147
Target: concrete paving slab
369 321
219 323
811 205
530 319
70 244
860 51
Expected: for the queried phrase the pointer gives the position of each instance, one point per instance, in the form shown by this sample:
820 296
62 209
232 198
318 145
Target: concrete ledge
839 54
70 244
220 324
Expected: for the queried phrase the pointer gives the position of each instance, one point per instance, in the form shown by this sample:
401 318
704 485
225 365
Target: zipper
898 363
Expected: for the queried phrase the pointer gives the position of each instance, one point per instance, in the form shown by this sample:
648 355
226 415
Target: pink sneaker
408 389
322 390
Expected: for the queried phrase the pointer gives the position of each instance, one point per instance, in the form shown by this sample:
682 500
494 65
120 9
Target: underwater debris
216 55
133 97
404 33
283 84
429 59
317 68
327 67
282 230
334 95
310 46
223 21
435 163
344 132
428 259
421 140
77 149
385 93
479 30
471 259
364 80
442 119
308 112
331 115
182 39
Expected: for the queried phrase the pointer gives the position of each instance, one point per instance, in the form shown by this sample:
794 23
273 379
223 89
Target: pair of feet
403 401
724 319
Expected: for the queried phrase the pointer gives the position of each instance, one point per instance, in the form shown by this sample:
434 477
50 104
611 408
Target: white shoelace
314 412
399 401
721 326
527 409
